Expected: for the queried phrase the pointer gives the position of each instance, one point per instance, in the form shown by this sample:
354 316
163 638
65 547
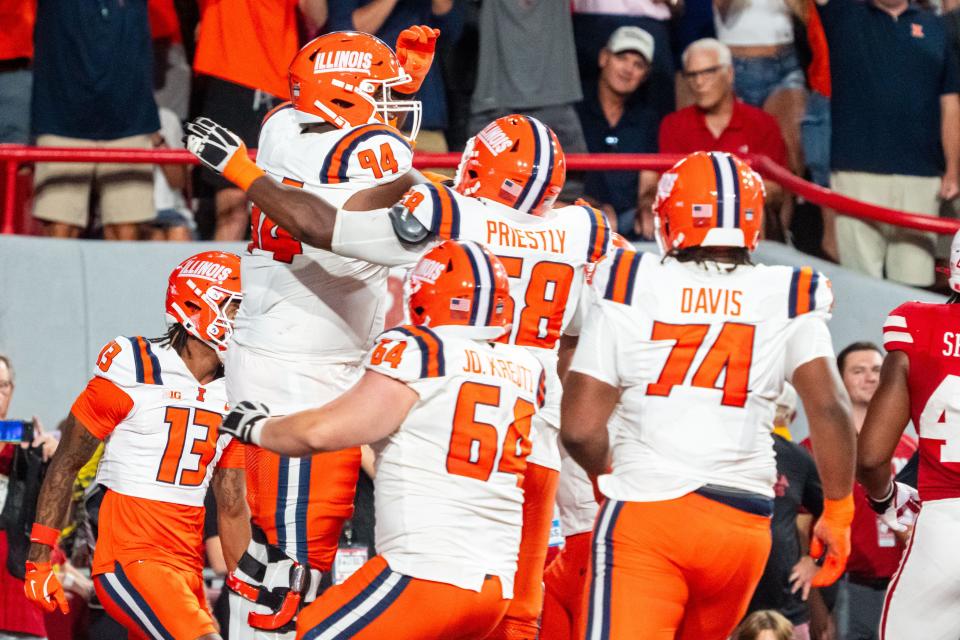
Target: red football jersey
930 336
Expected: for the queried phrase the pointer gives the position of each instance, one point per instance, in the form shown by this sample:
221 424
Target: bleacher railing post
10 167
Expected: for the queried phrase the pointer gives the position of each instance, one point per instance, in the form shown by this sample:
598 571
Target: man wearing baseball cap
617 117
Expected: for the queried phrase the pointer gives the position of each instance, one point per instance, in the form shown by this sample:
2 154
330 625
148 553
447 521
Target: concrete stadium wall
61 301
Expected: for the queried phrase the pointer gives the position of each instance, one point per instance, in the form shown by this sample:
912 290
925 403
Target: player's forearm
834 447
307 217
233 514
585 408
76 447
887 417
298 434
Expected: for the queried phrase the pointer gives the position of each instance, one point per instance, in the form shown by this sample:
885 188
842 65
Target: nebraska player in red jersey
156 404
920 381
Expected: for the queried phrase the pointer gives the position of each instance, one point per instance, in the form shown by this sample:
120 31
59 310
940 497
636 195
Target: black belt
741 500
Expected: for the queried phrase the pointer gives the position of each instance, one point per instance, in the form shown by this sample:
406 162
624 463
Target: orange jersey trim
101 407
623 275
446 213
233 456
275 110
432 364
599 235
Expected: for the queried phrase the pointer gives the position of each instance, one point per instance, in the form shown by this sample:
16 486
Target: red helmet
199 296
344 78
709 200
515 160
459 282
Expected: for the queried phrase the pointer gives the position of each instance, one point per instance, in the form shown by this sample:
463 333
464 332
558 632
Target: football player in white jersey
510 175
449 412
157 404
309 315
689 351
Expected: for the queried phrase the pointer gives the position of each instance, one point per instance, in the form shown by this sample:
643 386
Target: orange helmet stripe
623 274
599 234
334 168
432 363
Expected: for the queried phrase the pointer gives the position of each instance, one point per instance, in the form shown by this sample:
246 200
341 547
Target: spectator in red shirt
876 550
717 121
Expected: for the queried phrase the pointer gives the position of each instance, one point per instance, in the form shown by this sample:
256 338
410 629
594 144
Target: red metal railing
12 156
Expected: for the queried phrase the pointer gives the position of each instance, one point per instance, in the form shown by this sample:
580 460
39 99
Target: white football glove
899 509
213 144
245 421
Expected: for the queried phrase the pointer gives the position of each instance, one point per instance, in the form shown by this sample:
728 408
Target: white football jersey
448 495
168 445
301 303
546 258
700 353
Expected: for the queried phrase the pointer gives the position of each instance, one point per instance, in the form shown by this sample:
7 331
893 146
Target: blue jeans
815 138
15 88
756 79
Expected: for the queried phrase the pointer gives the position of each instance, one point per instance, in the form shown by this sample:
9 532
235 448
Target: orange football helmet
709 200
515 160
345 77
459 282
200 294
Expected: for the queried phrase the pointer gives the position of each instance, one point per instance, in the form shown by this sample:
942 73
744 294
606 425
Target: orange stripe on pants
376 603
564 581
539 494
681 569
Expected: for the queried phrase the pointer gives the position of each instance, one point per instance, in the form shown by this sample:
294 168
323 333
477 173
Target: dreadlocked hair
735 256
176 337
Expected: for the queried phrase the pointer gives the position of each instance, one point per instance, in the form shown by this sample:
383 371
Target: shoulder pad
436 207
408 353
407 227
129 361
616 275
810 290
372 153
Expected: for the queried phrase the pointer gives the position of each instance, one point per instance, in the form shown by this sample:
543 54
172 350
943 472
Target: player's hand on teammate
243 419
801 576
899 508
42 586
831 540
415 50
221 150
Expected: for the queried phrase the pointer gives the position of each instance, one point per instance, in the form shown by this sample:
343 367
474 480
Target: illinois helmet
202 295
709 200
345 77
459 282
515 160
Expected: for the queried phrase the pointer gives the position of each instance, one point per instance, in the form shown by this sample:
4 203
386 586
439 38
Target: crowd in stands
858 96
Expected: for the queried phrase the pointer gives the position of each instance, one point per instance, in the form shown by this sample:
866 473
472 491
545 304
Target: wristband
42 534
839 511
241 170
880 506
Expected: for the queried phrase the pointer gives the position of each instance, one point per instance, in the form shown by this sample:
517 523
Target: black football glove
243 419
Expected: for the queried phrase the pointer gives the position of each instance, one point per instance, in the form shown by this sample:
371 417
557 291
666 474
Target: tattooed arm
233 514
77 444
